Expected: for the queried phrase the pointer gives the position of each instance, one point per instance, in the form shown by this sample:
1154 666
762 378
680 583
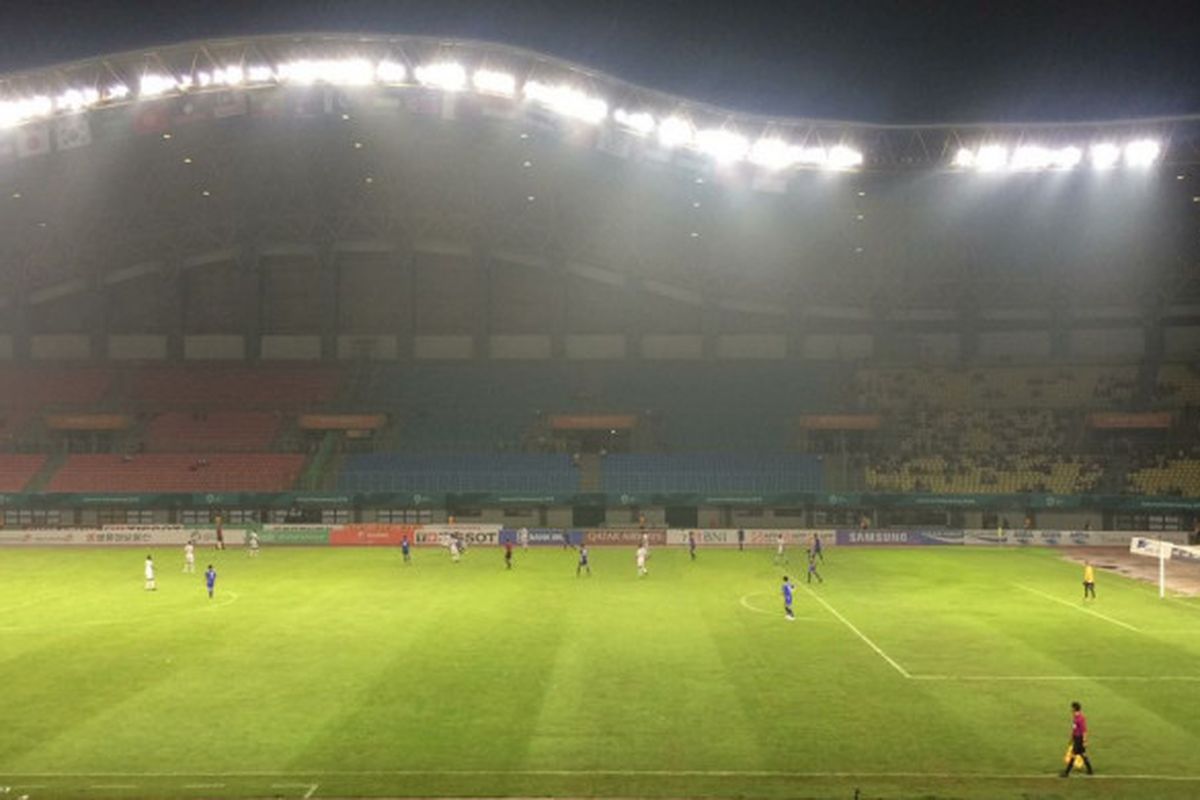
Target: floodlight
336 72
17 112
991 157
390 72
773 154
76 99
842 157
725 146
639 122
152 85
229 76
964 158
117 91
674 132
1105 155
1066 157
812 156
567 101
490 81
447 76
1142 153
260 74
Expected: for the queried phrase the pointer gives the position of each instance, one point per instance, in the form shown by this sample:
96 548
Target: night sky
893 62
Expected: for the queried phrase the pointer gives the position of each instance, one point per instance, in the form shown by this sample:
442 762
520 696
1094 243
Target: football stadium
389 416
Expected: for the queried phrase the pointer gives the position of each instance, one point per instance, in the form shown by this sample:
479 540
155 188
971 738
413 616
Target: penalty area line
878 650
1068 604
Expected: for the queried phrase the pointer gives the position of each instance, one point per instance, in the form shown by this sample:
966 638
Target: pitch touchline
991 678
1062 602
667 773
858 633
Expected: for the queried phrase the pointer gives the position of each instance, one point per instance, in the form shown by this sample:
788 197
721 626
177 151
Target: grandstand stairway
591 472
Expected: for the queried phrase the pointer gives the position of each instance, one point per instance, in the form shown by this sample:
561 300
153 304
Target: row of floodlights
1033 158
724 145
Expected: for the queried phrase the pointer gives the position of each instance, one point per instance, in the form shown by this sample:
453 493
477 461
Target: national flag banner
72 132
33 140
230 104
152 118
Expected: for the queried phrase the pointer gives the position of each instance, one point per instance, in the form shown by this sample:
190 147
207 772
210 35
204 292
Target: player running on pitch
788 591
812 568
189 557
642 554
508 548
252 545
583 561
455 553
210 580
692 544
1078 747
815 550
151 586
405 548
1089 581
523 537
780 553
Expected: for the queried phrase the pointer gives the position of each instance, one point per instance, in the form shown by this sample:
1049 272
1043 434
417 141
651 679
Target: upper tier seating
155 472
215 431
985 475
505 472
212 386
16 471
47 387
1085 386
712 473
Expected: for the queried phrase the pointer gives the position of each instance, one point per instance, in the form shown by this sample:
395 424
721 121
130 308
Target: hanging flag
33 140
73 131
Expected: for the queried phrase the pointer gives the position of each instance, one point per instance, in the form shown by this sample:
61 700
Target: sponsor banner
295 534
898 538
542 537
472 535
628 536
372 534
121 535
757 537
1116 420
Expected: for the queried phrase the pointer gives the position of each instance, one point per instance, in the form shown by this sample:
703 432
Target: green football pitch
345 673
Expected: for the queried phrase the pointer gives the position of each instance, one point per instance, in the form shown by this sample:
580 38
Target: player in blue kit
788 593
812 567
210 580
404 548
583 561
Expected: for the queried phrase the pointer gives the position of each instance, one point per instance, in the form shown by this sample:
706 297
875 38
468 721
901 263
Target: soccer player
583 561
523 537
780 555
508 548
812 567
454 551
642 555
405 549
151 586
220 533
1089 581
1079 731
692 544
189 557
566 540
252 550
788 592
741 539
210 580
816 547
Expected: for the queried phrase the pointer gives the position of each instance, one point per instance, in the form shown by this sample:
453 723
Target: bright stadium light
812 156
842 157
1142 153
964 158
153 85
773 154
18 112
991 157
335 72
1035 157
229 76
1067 157
390 72
76 99
1105 155
118 91
725 146
567 101
640 122
448 76
675 132
260 73
490 81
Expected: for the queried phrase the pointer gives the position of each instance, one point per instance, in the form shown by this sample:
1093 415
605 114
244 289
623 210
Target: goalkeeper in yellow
1089 581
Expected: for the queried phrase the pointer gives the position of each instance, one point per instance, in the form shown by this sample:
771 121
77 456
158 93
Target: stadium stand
234 387
502 472
1178 385
985 475
217 431
161 472
782 472
48 387
1178 477
16 471
1062 387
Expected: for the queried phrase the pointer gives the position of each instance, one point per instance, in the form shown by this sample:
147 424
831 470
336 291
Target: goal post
1164 551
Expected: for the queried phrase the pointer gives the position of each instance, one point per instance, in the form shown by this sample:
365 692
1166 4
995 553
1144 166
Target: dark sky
908 61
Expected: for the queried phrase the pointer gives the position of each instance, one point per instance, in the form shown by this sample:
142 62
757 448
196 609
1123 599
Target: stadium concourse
393 294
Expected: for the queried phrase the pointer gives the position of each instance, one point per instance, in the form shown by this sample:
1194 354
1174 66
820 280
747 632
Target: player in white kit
189 558
252 546
523 537
454 552
641 561
150 584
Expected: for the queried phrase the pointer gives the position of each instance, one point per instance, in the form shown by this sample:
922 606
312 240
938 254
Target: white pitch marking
113 786
990 678
1068 604
857 632
204 786
311 787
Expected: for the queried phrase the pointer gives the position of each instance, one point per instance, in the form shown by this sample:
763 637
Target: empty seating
43 387
712 473
501 472
986 475
1179 477
159 472
17 470
234 387
214 431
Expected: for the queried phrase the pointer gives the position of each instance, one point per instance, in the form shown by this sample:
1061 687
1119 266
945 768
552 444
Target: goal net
1164 551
